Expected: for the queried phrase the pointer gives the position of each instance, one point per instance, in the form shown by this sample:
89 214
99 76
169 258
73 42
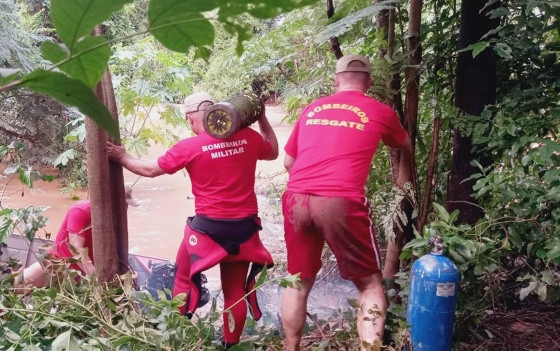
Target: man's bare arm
268 134
145 168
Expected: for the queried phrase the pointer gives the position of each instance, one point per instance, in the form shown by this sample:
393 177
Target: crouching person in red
74 233
225 228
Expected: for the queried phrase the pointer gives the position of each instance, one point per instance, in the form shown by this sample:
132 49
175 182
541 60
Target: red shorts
344 223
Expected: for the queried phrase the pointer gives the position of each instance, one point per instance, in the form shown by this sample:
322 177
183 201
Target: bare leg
294 312
372 310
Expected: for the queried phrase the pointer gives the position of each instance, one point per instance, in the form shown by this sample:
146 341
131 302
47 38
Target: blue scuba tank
432 299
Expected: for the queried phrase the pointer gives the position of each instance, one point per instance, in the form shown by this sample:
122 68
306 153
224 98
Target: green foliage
18 167
88 67
72 92
72 161
84 314
177 26
345 24
19 34
148 82
25 221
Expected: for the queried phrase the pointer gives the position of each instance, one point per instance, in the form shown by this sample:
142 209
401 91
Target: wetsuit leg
183 283
233 276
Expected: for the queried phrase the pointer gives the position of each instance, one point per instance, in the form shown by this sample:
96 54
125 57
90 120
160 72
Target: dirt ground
535 327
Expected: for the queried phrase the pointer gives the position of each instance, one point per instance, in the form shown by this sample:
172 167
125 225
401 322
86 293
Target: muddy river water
156 225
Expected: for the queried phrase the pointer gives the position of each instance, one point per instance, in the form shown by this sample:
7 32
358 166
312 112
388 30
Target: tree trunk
118 203
333 42
402 161
106 188
475 88
429 184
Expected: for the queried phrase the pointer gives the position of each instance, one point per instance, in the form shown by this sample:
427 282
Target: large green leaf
74 19
90 63
72 92
178 24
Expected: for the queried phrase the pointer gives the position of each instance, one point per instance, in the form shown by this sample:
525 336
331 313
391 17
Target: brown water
156 225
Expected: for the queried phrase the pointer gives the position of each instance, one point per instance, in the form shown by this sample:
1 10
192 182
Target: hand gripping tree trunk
106 188
475 88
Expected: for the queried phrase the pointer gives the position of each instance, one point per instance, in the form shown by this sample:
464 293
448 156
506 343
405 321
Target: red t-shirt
334 141
222 171
77 221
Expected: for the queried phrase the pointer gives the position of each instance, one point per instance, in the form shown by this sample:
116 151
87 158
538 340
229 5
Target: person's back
222 171
335 141
225 228
328 158
77 222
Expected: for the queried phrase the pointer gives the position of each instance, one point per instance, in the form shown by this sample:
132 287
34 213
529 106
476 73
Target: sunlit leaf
289 280
524 292
74 19
26 176
6 229
442 212
72 92
90 64
64 158
541 291
65 342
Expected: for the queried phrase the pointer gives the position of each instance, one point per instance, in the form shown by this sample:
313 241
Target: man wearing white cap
225 228
328 158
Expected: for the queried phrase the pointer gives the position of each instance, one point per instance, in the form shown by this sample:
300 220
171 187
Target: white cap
193 101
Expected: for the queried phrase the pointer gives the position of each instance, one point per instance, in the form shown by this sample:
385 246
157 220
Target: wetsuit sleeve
175 158
77 221
394 135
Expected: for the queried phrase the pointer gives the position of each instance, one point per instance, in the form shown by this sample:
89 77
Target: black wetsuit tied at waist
228 233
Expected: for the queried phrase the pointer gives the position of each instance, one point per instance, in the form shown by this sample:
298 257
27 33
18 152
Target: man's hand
115 152
145 168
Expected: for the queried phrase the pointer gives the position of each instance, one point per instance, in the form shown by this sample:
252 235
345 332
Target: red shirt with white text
222 171
335 140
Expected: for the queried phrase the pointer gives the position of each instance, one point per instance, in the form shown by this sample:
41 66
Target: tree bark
333 42
118 203
475 88
429 184
106 188
402 161
405 170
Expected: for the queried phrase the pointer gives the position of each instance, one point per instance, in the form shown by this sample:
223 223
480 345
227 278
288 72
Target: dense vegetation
508 255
